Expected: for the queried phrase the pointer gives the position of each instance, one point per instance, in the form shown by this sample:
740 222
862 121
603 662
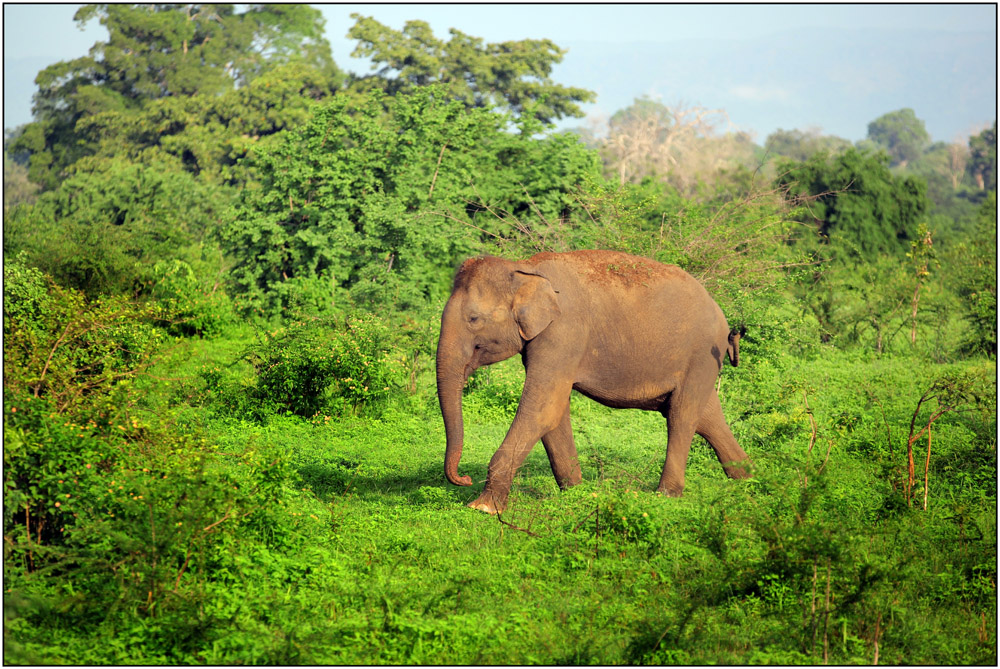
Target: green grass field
337 540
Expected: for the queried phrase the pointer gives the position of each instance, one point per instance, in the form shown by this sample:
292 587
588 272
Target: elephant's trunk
453 367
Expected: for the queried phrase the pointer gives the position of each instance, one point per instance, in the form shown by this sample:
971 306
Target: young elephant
625 331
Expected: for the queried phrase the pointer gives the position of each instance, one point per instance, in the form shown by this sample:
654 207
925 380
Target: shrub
154 551
313 365
191 309
111 220
72 352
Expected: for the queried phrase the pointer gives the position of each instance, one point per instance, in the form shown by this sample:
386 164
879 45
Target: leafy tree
952 214
103 230
983 158
803 144
515 75
900 133
206 134
975 272
161 51
384 203
857 208
17 189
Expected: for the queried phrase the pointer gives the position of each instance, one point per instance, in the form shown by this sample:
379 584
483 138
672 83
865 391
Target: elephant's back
652 304
634 283
621 271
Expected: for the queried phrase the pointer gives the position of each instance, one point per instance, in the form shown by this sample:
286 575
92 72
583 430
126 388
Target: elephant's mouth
479 351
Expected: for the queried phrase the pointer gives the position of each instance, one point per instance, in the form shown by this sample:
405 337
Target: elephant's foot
737 473
482 506
739 470
487 503
671 491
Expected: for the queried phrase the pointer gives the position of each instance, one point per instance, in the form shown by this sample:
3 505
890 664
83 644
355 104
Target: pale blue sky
38 35
618 23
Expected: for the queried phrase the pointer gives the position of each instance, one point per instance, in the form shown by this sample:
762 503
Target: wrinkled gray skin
623 330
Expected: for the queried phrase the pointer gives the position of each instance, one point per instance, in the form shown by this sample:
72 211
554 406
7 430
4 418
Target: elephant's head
495 307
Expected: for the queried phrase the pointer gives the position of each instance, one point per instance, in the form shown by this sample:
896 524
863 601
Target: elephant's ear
535 304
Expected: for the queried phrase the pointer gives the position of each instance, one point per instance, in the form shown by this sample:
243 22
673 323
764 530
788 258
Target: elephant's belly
650 398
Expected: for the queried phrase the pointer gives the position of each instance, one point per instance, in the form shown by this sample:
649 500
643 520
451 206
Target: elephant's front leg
541 412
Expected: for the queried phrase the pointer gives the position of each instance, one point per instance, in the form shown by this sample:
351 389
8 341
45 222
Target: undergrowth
160 519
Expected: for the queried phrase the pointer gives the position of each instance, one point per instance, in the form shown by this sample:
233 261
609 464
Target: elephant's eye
474 318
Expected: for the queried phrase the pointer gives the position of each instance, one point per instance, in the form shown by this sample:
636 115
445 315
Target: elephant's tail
734 345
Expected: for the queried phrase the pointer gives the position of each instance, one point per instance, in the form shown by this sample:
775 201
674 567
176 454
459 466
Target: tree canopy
859 208
162 51
983 158
802 144
515 75
379 202
901 134
207 134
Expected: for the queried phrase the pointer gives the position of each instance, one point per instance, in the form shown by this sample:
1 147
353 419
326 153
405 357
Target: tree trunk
913 315
927 465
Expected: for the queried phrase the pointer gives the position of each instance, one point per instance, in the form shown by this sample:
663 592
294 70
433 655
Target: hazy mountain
839 80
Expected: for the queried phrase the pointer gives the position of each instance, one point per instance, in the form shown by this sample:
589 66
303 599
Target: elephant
623 330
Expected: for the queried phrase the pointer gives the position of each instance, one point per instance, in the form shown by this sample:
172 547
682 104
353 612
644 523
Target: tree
207 135
901 134
640 137
102 231
983 158
975 280
162 51
958 159
678 145
857 207
374 199
515 75
17 189
942 167
802 144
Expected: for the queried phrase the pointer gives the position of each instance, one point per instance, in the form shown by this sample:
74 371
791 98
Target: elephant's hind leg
712 425
682 418
680 431
562 454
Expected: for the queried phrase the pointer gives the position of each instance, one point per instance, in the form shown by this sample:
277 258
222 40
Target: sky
608 34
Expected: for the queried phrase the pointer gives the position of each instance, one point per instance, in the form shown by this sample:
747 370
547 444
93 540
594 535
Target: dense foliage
224 268
374 201
860 209
159 52
515 75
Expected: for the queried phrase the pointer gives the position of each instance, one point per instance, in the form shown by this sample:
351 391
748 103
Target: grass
354 549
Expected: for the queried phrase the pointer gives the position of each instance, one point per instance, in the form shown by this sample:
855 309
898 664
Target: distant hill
838 80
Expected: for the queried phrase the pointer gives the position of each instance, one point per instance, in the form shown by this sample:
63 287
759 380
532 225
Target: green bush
312 366
159 550
190 308
110 515
977 282
74 353
107 225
